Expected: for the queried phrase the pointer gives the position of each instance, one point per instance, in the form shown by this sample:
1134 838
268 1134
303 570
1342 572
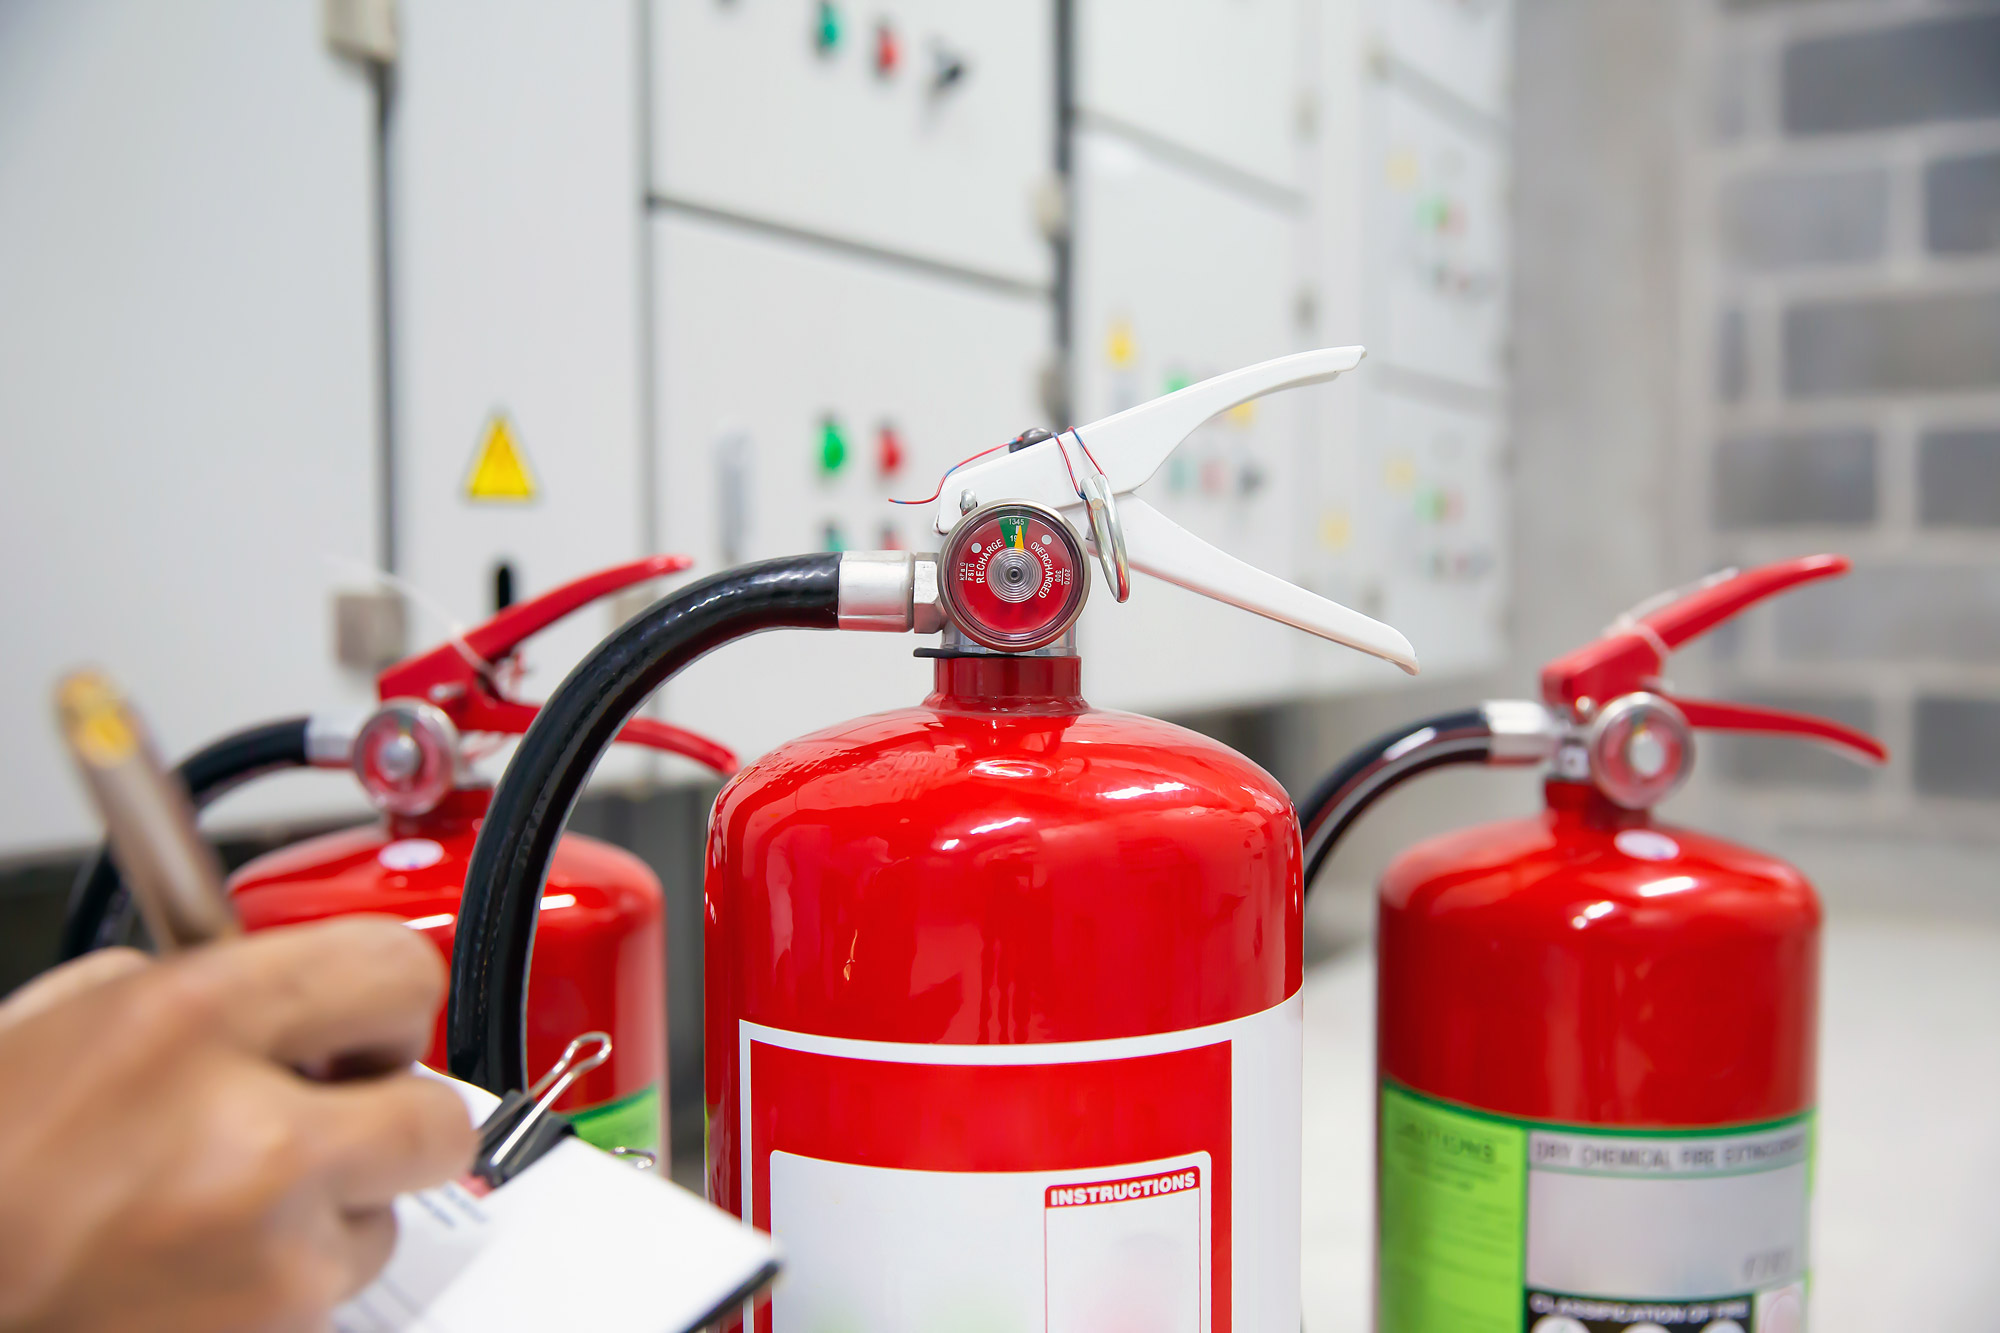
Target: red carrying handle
457 676
1633 653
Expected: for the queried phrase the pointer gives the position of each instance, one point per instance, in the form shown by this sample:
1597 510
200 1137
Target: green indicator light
826 28
832 446
1178 380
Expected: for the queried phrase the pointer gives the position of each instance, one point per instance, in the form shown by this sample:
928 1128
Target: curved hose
1382 765
486 1023
97 902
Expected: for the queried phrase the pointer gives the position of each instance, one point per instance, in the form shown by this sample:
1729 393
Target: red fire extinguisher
1003 1021
1596 1031
601 961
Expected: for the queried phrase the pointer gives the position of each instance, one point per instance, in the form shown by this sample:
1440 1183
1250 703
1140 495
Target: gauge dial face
1015 577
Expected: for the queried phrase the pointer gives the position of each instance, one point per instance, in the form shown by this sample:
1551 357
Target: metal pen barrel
175 878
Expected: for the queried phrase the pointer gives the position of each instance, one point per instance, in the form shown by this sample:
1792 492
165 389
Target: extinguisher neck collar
1569 799
1051 685
460 810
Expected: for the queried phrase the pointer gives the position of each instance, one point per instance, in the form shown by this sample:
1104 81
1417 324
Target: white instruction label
1072 1252
1132 1185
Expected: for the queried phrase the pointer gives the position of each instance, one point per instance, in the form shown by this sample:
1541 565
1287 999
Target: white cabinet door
1221 79
518 221
1437 243
785 114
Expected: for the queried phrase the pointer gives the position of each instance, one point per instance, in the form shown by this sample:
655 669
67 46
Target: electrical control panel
1216 80
1436 518
924 128
187 382
1184 278
801 391
1437 243
1410 246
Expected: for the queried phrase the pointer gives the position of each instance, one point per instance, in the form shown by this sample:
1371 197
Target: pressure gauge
1013 576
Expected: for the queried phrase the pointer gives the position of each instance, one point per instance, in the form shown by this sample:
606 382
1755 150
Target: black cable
1379 767
486 1023
98 900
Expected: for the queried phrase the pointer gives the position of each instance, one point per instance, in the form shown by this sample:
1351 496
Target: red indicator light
889 451
888 50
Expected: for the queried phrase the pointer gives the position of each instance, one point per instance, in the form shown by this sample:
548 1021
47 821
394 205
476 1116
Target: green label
1013 529
1453 1214
1488 1223
631 1121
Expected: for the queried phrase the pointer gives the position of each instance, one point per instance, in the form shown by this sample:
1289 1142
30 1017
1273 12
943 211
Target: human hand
164 1165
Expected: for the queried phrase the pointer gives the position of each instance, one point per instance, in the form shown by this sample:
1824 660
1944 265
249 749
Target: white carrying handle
1130 447
1157 545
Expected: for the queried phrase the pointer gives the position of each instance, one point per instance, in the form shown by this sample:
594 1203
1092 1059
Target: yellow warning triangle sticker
500 469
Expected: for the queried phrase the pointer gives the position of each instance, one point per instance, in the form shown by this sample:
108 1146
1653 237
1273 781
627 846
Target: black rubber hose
486 1022
97 902
1379 767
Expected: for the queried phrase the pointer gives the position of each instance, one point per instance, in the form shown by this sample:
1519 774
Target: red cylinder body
600 952
980 973
1587 969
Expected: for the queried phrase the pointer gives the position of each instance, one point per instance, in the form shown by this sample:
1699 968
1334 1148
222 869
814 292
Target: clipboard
562 1236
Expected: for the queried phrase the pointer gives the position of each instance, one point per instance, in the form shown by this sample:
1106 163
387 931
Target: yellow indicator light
1121 349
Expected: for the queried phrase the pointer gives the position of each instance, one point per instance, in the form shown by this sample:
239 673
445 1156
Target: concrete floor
1907 1217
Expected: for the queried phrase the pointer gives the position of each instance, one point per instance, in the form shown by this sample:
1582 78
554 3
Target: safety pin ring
1106 533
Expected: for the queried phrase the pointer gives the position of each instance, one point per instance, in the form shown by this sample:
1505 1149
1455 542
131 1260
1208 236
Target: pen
175 878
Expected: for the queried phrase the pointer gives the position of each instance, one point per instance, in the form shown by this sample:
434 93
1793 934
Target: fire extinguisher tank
1588 966
1001 864
1596 1031
596 959
1004 1024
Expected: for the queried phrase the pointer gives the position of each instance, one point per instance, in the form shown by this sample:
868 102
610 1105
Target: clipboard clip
523 1126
